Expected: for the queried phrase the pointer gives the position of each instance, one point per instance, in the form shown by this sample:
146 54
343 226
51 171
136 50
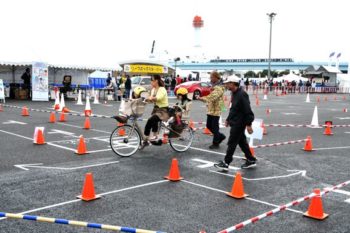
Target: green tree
250 74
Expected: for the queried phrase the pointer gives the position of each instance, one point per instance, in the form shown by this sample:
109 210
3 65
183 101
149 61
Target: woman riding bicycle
159 97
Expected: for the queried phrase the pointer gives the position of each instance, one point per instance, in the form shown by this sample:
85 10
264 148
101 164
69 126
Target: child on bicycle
182 108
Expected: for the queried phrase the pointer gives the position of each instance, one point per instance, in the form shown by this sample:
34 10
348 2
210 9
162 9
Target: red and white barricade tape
307 126
280 143
281 208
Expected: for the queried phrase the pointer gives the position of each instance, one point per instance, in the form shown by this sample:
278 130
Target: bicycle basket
137 107
134 108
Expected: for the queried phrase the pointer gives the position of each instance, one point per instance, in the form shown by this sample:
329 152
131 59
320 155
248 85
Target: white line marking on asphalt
57 131
248 198
62 147
302 173
213 152
97 151
332 148
343 118
210 164
38 165
16 135
49 143
14 122
102 194
80 127
342 192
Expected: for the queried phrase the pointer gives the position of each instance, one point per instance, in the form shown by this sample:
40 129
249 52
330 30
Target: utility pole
271 17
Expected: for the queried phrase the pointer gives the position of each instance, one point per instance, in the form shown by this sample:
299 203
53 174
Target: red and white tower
197 25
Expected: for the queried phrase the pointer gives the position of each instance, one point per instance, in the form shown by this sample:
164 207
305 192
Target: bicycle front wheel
125 140
183 142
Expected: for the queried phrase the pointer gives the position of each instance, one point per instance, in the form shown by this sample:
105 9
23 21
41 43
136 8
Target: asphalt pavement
134 192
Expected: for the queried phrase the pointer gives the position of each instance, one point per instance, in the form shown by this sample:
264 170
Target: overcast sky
105 32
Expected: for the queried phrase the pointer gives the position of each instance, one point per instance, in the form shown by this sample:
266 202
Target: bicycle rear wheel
183 142
125 140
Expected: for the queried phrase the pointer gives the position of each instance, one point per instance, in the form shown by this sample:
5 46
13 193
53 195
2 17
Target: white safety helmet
232 79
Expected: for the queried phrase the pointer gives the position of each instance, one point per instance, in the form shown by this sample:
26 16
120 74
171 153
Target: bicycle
126 139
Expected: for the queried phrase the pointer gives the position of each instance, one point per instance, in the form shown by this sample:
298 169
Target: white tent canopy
290 77
100 74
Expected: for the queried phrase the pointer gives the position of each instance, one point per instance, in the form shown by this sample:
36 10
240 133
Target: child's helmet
181 91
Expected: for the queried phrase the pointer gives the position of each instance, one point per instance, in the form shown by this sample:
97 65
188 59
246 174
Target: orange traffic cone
25 111
65 110
1 108
62 117
165 139
52 117
191 124
121 131
237 188
40 138
87 123
345 110
88 193
257 102
252 151
308 144
207 131
328 130
174 173
81 150
268 111
264 129
315 208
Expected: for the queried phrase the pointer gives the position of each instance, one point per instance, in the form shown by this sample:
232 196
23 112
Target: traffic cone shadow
88 192
87 123
237 190
81 150
52 117
308 144
315 210
174 173
25 111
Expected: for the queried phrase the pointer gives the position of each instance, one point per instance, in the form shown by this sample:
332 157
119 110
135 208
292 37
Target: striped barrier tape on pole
76 223
70 114
280 143
199 122
281 208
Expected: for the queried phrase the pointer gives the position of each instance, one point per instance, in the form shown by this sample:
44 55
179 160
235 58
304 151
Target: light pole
176 60
271 16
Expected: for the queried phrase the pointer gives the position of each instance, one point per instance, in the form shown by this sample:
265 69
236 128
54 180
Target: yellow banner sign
150 69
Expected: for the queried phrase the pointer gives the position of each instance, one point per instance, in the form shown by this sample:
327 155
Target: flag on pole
339 54
332 54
